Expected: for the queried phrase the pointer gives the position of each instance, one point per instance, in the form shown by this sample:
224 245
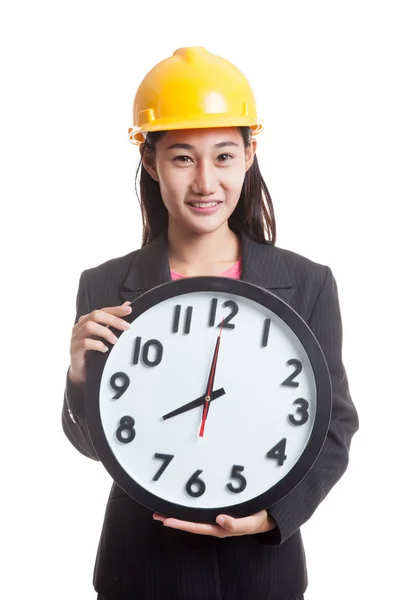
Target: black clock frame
97 361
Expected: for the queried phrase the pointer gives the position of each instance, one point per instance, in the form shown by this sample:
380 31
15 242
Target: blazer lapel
262 265
149 268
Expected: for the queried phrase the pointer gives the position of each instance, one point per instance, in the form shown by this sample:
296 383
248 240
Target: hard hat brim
135 134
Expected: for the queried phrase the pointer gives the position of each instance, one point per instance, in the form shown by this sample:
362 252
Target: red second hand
210 385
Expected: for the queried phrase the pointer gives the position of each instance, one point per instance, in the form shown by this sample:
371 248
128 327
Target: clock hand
194 404
210 383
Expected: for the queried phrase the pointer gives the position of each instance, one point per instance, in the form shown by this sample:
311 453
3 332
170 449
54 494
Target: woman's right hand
95 323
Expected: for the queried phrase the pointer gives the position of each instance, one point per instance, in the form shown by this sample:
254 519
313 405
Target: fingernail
220 520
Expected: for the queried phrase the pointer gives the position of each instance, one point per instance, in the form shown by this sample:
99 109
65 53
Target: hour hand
194 404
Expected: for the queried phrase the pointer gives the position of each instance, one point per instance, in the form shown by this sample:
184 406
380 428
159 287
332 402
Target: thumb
226 522
244 525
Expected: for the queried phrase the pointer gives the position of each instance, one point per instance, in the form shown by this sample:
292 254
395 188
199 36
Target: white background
326 78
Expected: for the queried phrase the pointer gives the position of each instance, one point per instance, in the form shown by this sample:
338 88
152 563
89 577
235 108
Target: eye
226 157
182 158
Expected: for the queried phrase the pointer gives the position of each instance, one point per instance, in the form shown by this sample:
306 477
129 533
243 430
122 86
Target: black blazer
140 559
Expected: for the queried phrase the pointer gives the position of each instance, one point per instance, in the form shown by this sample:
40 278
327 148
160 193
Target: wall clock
217 399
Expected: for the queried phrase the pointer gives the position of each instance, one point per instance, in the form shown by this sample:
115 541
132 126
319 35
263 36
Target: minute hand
194 404
210 383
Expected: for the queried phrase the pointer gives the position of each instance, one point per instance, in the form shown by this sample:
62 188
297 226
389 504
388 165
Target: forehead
203 137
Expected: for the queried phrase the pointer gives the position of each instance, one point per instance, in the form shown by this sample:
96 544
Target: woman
206 210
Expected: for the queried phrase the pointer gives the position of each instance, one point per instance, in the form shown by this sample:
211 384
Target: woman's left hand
226 526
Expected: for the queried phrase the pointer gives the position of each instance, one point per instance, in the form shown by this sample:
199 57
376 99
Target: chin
199 225
205 228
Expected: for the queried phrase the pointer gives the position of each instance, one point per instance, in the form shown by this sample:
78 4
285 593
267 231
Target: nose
205 182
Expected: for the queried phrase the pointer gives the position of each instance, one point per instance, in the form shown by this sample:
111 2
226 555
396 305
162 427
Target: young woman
206 211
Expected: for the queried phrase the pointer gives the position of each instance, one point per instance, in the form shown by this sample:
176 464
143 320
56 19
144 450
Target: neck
192 253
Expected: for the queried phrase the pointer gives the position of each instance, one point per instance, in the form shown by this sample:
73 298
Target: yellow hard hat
193 89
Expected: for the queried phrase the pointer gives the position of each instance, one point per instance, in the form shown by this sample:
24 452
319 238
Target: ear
148 162
250 152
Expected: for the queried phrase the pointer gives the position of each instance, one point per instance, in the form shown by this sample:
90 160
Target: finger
158 517
109 316
93 330
87 344
197 528
243 526
121 309
118 307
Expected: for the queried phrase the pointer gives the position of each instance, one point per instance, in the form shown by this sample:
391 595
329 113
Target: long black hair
254 212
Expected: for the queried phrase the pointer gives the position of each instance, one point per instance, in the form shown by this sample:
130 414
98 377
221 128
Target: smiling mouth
203 204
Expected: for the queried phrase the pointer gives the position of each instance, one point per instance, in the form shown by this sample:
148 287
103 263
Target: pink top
233 272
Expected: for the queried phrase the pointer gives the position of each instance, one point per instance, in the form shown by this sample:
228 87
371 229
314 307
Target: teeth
203 204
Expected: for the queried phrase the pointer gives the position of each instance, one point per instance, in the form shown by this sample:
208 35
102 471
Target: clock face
216 399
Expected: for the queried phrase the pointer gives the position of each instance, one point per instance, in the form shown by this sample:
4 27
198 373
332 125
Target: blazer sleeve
73 413
298 505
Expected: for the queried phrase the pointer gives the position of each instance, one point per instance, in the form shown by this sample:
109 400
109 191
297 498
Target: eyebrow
190 147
